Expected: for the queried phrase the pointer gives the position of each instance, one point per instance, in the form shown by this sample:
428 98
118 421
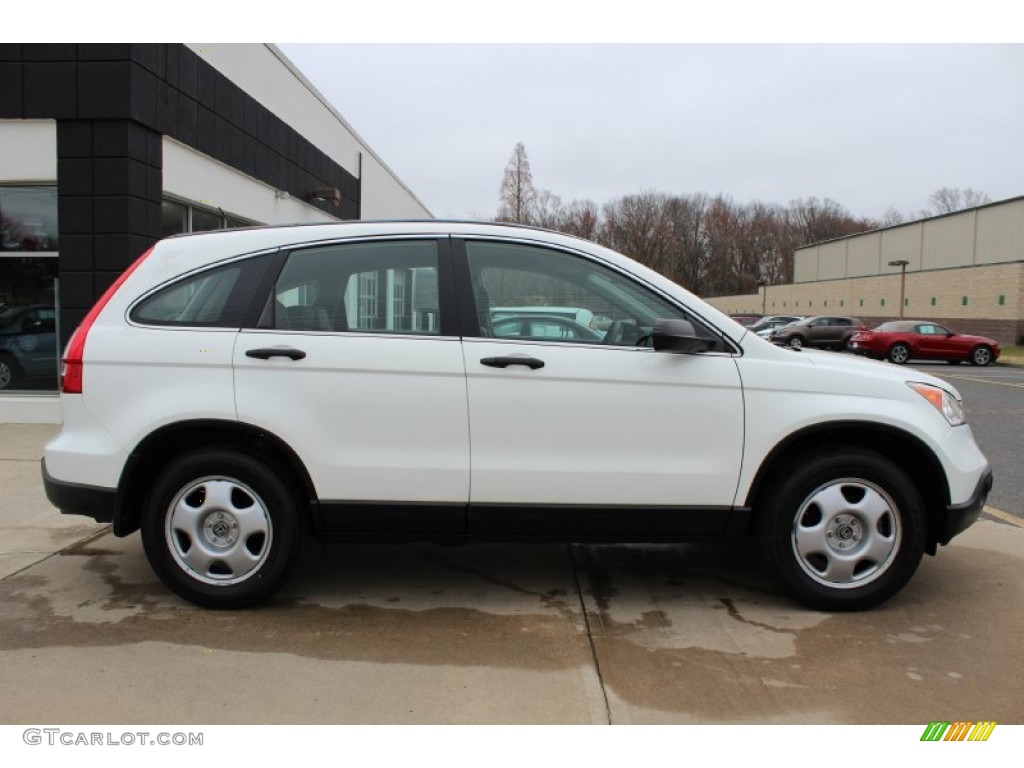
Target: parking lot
495 633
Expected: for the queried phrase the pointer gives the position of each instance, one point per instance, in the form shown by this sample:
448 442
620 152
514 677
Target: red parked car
903 340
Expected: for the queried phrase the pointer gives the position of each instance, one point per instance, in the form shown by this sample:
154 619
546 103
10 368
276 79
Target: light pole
902 264
764 296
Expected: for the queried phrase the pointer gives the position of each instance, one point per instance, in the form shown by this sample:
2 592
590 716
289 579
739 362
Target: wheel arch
903 448
159 447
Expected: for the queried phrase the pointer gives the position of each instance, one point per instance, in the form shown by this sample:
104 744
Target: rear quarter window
215 298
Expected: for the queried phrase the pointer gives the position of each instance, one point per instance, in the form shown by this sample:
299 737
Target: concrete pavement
491 633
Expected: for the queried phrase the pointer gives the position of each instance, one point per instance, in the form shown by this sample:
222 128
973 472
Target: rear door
356 363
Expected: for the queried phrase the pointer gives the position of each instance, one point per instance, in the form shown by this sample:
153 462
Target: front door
593 425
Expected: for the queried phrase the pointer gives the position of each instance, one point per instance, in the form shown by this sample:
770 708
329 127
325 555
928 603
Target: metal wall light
330 195
902 264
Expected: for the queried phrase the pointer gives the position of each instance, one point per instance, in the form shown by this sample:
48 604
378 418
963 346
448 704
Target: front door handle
504 362
265 353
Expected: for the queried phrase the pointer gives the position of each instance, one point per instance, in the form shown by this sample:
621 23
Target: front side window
378 287
538 294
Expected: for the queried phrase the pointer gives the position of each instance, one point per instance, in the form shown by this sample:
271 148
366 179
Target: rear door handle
265 353
504 362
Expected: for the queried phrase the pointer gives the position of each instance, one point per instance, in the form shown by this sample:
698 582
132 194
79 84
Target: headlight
942 401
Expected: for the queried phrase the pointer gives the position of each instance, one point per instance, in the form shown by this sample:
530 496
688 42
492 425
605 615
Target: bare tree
548 210
639 227
582 219
517 196
950 199
891 217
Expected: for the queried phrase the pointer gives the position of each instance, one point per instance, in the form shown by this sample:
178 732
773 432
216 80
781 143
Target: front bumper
77 499
957 518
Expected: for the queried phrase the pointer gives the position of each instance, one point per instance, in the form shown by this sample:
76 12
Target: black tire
843 530
10 372
981 355
796 341
221 528
899 353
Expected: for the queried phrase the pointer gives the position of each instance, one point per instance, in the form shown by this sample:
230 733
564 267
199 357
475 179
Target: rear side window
372 287
217 298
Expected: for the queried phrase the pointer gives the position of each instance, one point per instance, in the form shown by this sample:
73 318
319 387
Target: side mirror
678 336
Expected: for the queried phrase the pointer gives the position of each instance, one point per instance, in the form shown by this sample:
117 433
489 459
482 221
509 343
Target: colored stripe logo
958 730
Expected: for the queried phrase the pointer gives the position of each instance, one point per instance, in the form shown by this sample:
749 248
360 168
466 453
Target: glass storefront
29 323
28 288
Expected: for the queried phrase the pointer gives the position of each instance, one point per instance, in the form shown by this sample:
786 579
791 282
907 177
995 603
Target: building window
181 217
175 218
28 288
28 219
203 220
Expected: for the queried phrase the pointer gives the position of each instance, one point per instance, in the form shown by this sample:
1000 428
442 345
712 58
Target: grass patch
1013 355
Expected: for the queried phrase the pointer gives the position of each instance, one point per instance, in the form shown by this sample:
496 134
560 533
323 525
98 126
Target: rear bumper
77 499
959 517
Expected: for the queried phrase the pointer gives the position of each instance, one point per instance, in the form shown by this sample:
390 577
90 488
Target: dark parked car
823 331
28 347
903 340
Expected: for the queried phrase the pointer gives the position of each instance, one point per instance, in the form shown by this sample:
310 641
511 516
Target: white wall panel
198 178
267 75
28 150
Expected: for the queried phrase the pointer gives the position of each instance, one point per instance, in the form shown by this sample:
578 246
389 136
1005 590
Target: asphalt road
994 401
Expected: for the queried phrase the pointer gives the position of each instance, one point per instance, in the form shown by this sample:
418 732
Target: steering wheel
618 331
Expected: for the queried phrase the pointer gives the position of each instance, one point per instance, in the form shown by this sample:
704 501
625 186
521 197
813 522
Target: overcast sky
870 126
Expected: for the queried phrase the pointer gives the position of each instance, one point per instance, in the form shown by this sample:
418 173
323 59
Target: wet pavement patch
688 634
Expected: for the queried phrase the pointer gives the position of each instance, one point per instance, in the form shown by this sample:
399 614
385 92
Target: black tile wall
112 104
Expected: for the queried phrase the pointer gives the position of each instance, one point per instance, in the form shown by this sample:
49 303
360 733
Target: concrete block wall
980 299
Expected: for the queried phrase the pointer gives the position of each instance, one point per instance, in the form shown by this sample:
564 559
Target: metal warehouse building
106 148
962 269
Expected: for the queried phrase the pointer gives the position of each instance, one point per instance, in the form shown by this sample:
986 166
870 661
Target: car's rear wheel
796 342
899 353
844 530
981 355
10 373
221 529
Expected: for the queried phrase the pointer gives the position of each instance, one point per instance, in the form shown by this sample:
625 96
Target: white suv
235 390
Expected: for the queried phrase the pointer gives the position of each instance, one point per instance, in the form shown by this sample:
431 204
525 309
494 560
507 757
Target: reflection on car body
543 327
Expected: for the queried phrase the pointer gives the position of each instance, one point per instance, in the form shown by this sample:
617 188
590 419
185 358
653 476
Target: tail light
71 374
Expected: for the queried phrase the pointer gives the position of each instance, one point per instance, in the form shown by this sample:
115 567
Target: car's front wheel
221 528
843 530
796 342
10 373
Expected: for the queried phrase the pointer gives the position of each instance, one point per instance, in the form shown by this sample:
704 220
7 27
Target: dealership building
964 270
104 149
